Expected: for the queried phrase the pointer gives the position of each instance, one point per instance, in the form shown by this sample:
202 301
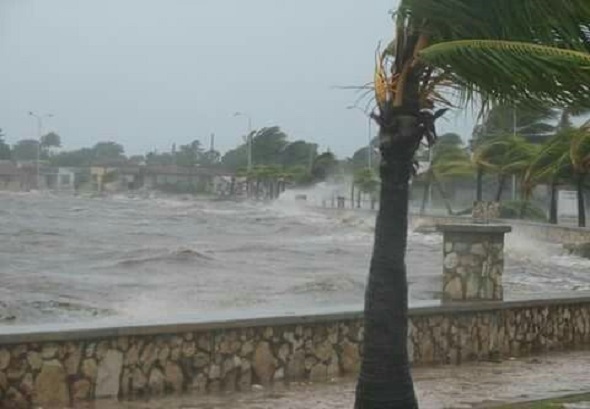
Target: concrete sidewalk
475 385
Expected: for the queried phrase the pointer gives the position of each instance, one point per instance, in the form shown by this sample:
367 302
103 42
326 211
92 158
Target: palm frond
514 71
563 23
504 154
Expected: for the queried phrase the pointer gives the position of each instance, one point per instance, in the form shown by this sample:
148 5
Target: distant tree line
274 156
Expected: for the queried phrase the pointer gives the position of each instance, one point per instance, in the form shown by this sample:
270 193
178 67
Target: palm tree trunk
358 198
385 381
479 187
581 203
553 203
444 197
232 186
523 207
501 183
425 196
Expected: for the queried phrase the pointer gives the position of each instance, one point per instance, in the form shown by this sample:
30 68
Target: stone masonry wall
473 266
235 356
538 231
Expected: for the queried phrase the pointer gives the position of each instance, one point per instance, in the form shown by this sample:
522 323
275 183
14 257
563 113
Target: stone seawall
539 231
64 367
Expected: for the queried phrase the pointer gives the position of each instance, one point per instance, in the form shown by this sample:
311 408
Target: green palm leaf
562 23
515 71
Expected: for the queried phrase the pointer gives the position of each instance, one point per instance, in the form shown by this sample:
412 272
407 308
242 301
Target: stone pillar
483 212
473 261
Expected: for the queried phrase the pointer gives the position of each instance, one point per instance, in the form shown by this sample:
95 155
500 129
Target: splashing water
76 258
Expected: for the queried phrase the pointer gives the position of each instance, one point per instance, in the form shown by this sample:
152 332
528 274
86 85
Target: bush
512 210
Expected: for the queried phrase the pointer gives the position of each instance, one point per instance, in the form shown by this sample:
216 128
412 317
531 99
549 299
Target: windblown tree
552 163
324 166
563 159
505 156
366 182
502 51
267 147
449 160
579 154
550 166
189 155
533 123
298 153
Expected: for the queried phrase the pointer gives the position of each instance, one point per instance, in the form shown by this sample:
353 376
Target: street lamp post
249 138
369 136
39 119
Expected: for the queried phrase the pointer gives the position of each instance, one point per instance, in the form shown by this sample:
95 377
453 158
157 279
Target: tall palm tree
524 51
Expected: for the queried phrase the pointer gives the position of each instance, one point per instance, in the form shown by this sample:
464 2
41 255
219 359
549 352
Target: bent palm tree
448 161
551 165
564 158
504 155
523 51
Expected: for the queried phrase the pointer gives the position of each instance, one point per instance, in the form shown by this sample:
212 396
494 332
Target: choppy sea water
73 259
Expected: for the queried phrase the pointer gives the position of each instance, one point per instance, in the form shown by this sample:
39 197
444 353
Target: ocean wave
181 255
31 232
328 285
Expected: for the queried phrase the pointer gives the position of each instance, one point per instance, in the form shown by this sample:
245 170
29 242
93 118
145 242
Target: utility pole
369 135
249 138
39 119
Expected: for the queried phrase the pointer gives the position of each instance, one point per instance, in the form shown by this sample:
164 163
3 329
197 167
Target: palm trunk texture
479 187
444 197
553 203
501 183
385 381
581 202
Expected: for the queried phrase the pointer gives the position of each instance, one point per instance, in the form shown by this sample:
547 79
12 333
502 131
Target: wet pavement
477 385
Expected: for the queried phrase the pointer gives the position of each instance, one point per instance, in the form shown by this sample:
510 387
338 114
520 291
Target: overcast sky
148 73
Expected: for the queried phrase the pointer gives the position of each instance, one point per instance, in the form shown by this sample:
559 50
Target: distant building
102 176
60 179
11 177
176 179
130 177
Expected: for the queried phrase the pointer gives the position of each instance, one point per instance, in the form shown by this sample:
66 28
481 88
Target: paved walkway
458 387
